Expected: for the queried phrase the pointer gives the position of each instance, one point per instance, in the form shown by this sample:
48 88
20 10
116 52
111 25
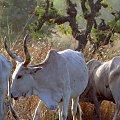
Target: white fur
104 83
62 75
5 71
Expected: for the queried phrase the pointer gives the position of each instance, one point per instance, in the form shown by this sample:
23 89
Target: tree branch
89 15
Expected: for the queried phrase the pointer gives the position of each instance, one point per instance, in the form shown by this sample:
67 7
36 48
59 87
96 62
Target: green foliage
14 15
104 2
39 11
45 31
98 35
48 26
65 29
115 25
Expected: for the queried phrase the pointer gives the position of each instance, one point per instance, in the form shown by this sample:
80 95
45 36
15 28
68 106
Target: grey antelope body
5 72
104 84
61 76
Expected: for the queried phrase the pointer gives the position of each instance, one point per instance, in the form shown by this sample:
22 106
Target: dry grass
25 107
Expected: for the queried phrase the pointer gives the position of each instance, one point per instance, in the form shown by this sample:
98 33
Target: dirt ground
26 107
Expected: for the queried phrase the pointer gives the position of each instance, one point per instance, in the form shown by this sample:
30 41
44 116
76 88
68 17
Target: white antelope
61 76
104 84
5 72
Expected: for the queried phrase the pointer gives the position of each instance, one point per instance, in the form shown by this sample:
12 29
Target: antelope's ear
34 69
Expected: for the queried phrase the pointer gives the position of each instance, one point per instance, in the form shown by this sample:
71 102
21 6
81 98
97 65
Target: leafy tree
69 19
47 13
104 32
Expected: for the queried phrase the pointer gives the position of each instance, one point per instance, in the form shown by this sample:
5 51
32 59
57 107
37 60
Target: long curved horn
27 54
12 55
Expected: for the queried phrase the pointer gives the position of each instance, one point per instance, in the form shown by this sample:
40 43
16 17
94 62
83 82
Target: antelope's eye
19 76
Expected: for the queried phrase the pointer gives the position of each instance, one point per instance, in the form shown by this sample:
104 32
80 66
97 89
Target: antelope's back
78 71
5 66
